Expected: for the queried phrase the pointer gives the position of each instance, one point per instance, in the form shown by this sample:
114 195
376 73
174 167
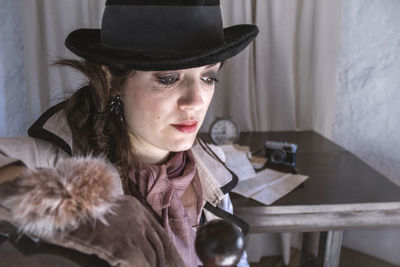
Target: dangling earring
116 106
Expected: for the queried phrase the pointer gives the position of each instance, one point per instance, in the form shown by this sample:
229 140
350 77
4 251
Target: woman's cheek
208 97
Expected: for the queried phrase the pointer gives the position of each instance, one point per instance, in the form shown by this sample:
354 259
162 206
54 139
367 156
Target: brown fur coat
78 205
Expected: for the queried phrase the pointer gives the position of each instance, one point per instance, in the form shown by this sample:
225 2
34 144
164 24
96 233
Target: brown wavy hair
95 130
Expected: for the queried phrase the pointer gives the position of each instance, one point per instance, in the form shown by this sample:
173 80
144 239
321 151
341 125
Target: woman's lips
186 127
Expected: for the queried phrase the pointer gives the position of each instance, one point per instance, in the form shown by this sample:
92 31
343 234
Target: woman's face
165 109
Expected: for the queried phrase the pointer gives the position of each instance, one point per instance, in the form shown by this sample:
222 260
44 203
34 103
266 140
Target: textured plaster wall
12 80
367 118
368 102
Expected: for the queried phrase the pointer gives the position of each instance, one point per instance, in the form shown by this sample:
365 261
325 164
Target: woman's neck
146 152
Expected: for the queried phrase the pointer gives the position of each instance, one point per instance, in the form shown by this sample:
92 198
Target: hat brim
86 43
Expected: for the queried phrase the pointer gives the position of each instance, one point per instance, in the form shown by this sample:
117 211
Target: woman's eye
210 80
167 81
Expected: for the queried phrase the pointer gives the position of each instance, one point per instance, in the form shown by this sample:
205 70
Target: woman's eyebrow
166 72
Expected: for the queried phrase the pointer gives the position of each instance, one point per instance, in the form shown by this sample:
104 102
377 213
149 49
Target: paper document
258 162
238 162
269 185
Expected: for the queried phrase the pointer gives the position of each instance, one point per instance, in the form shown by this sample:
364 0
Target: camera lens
277 156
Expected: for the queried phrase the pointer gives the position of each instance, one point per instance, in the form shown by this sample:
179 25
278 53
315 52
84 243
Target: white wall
368 103
12 79
368 95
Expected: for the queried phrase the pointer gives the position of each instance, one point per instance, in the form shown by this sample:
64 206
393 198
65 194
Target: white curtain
286 79
13 118
46 24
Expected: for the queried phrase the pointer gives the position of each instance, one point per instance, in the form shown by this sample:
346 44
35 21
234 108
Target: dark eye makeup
211 79
168 80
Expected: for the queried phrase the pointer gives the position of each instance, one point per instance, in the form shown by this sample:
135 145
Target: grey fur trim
77 189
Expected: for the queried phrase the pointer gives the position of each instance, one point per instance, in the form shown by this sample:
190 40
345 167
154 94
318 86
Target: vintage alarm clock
224 131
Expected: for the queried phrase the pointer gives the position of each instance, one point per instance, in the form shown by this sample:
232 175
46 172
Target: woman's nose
191 98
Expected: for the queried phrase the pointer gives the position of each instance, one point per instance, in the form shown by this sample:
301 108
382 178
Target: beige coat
50 141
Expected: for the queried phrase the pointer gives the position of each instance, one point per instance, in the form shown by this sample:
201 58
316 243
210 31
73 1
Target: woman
152 69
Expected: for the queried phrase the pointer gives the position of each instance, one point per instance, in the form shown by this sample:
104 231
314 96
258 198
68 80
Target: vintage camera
281 153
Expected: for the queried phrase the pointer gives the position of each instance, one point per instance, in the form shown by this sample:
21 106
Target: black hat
160 35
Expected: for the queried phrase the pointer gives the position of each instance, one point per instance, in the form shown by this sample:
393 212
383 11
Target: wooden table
342 193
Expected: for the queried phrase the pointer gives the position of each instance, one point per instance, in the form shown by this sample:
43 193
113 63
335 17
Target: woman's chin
183 144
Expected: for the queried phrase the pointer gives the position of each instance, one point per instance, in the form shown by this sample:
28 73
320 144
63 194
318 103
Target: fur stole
42 201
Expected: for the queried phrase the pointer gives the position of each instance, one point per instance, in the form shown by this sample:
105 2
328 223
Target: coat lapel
52 126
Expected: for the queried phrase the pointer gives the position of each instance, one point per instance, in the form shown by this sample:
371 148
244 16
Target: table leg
285 246
333 244
309 249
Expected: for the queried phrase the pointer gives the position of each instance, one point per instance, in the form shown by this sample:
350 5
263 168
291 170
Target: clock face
224 132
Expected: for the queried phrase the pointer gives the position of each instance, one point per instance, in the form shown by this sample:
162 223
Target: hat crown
160 35
160 25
